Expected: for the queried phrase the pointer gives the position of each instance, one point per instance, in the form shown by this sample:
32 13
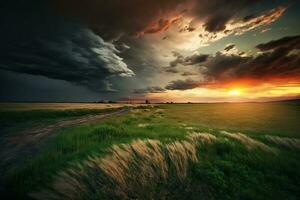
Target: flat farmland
160 151
56 106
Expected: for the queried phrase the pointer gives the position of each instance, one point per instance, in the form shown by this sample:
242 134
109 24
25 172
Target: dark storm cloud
217 14
188 74
292 42
153 89
114 18
55 48
171 70
182 84
25 87
88 43
279 61
229 47
195 59
141 57
189 60
221 65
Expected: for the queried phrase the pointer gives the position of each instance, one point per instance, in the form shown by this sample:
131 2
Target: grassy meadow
55 106
174 151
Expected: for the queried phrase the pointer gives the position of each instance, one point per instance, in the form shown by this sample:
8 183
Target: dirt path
18 147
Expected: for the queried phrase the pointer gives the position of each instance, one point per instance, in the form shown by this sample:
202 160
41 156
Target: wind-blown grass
248 142
201 137
143 169
118 159
292 143
151 169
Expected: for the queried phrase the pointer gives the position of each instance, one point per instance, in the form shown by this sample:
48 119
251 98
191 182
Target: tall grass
175 169
248 141
182 169
291 143
154 158
143 169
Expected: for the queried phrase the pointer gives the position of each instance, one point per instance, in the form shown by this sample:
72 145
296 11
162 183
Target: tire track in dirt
18 147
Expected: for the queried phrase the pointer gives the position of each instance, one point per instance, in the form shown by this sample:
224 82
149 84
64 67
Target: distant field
55 106
174 151
262 118
17 116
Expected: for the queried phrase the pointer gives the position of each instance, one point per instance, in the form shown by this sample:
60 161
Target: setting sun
234 92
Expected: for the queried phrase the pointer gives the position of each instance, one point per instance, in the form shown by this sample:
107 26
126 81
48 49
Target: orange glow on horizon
237 93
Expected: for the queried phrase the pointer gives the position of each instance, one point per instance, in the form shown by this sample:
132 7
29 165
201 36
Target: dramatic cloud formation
182 84
252 22
290 43
114 49
153 89
207 27
280 62
138 17
113 18
61 50
80 57
189 60
216 14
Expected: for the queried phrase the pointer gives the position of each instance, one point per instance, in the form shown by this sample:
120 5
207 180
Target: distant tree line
106 101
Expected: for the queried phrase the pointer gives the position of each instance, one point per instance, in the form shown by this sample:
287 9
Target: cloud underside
58 49
278 62
90 43
116 18
82 58
153 89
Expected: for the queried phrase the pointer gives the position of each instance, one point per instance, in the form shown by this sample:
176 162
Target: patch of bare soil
18 147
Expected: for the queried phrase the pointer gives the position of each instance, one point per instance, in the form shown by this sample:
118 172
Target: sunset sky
161 50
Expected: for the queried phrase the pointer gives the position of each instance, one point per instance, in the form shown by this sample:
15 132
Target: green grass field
178 151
